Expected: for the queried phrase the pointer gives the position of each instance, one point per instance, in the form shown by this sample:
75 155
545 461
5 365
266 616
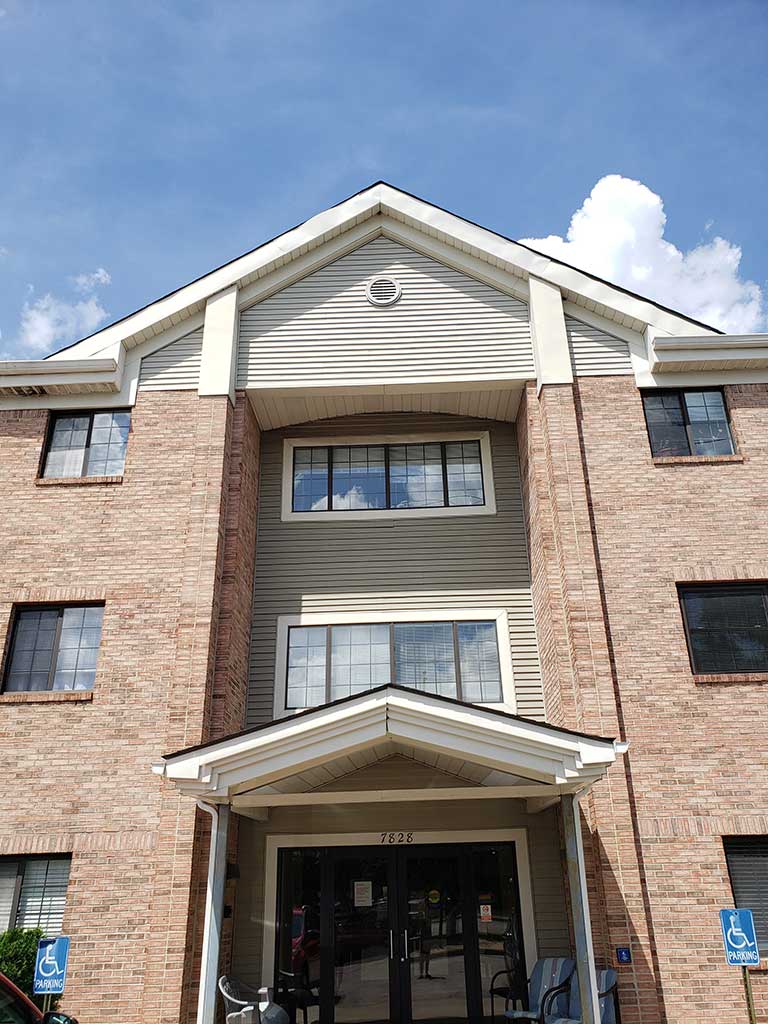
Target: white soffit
496 741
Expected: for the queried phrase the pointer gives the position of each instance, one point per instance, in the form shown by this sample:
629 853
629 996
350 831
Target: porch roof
519 757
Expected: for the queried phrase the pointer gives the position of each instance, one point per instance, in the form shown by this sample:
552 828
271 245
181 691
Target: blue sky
145 143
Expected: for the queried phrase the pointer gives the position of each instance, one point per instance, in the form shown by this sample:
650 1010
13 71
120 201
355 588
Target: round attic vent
382 291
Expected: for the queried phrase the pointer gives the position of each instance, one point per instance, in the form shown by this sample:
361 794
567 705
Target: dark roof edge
454 702
412 195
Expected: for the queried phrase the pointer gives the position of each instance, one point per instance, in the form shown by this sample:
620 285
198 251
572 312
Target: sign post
740 943
51 968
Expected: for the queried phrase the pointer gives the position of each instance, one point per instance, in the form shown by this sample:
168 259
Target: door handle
407 956
391 944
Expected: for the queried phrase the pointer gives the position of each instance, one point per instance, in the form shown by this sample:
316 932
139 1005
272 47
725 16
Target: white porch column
551 353
214 911
582 927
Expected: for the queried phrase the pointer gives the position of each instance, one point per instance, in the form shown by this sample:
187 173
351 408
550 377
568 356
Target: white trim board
497 615
290 444
274 843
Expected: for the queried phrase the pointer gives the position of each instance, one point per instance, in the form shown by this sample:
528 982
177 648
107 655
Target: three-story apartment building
381 611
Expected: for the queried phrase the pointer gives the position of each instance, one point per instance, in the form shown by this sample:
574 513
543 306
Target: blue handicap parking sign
51 966
739 938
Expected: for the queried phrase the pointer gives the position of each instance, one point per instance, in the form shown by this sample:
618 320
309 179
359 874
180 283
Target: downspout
214 911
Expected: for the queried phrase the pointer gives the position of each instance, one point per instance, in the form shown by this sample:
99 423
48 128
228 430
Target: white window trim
497 615
274 843
287 514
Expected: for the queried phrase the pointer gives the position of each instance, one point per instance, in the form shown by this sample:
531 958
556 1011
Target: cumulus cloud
618 234
49 321
86 283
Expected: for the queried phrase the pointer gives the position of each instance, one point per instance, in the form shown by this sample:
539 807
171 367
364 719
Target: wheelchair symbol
47 965
735 937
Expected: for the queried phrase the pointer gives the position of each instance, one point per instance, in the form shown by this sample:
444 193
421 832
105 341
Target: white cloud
49 322
618 234
86 283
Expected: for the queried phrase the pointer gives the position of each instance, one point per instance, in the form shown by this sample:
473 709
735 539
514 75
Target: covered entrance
340 912
397 930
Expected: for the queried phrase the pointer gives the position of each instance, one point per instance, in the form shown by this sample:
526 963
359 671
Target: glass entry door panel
362 937
397 935
434 934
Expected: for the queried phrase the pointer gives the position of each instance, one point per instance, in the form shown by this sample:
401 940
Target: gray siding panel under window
595 353
323 329
175 367
386 564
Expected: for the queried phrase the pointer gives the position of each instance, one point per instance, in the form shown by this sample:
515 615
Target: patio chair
547 975
246 1005
606 990
510 982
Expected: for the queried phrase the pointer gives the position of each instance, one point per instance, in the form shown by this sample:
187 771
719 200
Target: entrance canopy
306 757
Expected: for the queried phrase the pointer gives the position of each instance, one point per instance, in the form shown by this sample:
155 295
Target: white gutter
214 911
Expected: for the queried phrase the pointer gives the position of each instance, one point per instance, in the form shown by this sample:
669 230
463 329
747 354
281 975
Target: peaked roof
384 199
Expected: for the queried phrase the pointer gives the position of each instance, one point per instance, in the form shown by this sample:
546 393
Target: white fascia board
479 242
96 375
296 744
721 352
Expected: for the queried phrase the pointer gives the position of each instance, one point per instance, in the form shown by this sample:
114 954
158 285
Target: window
747 858
326 662
54 648
87 444
33 893
391 477
687 422
727 627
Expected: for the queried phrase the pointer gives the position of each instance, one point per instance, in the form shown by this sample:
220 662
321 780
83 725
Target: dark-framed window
687 421
54 647
86 443
453 659
33 892
726 627
368 477
747 858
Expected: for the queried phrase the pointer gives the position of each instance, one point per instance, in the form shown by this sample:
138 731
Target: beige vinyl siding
546 865
322 330
595 353
175 367
381 565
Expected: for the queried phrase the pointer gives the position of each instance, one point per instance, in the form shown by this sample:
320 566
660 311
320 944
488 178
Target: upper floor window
464 658
747 858
687 422
33 893
54 648
87 444
387 477
727 627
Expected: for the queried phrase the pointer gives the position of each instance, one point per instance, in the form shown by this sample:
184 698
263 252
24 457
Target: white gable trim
499 742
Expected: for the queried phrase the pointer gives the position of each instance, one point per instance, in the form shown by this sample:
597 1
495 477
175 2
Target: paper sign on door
486 912
363 894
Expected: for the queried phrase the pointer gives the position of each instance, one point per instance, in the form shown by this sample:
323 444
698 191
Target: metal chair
607 997
246 1005
548 975
510 982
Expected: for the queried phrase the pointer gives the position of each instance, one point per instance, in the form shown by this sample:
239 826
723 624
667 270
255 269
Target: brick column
579 681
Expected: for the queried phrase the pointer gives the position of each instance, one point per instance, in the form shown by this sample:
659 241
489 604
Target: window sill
762 966
732 677
694 460
76 481
46 696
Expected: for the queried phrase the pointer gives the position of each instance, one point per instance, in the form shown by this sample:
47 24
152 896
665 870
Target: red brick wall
76 772
698 756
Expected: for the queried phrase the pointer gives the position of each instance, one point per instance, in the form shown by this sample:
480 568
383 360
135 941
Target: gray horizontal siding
595 353
322 329
388 564
175 367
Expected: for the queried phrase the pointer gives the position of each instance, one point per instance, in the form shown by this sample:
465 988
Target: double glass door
414 933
